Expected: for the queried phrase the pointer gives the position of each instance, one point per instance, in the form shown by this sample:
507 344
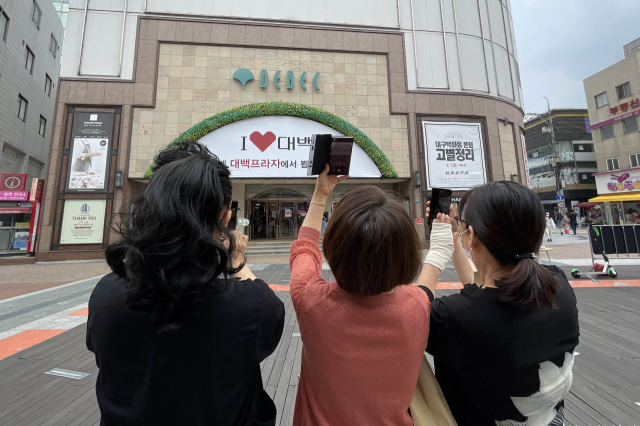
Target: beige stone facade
622 145
195 82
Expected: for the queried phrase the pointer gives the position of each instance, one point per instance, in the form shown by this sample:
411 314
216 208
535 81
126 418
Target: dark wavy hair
167 253
509 220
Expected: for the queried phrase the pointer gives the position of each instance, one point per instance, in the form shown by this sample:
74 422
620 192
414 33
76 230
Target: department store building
430 91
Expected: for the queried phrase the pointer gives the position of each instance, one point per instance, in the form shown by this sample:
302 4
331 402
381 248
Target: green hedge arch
291 109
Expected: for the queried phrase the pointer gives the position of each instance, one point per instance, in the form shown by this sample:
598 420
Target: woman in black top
503 348
178 341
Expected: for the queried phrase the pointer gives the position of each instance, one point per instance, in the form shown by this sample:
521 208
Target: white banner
454 155
83 222
276 146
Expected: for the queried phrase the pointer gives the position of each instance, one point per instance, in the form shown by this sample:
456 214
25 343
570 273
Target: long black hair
509 220
167 254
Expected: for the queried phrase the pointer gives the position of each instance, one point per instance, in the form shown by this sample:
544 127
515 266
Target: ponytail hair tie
526 256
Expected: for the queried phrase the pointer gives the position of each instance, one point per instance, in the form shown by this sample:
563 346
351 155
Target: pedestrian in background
365 333
572 216
181 325
325 220
503 347
550 225
558 217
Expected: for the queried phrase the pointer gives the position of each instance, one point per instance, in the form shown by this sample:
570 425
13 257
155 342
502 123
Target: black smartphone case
319 154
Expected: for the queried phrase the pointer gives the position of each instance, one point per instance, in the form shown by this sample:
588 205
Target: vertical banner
454 154
83 221
526 159
90 152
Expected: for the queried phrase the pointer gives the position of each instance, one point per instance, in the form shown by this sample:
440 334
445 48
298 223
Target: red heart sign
262 141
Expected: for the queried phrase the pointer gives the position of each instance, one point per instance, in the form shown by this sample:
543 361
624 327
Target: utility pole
555 154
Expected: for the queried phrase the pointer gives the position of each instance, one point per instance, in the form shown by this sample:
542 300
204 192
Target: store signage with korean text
244 75
37 188
625 107
83 221
454 155
630 109
619 181
14 195
90 152
276 146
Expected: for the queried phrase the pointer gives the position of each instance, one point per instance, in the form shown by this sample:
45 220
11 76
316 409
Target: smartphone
332 150
233 222
440 203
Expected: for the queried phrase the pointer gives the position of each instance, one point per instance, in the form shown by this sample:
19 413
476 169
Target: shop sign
13 210
243 75
276 147
83 221
14 195
616 119
454 155
618 181
13 181
419 221
90 149
37 188
625 107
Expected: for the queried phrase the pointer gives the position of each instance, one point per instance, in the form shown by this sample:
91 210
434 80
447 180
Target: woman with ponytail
181 325
503 346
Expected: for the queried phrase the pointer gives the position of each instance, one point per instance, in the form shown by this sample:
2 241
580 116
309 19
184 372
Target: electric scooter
604 270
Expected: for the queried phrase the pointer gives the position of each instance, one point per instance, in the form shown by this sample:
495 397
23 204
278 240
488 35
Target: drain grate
76 375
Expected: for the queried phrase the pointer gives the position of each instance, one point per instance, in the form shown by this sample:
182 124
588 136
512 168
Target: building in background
62 7
432 98
613 100
574 146
30 48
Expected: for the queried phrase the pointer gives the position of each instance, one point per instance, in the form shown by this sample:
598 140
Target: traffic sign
560 204
560 197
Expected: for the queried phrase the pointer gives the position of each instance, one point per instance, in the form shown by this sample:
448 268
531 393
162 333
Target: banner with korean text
454 155
276 146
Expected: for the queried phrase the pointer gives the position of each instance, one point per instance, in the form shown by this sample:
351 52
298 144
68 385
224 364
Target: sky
561 42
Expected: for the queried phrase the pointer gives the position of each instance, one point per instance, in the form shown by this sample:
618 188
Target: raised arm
439 253
306 260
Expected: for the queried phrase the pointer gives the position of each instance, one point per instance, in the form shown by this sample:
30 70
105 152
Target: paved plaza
42 327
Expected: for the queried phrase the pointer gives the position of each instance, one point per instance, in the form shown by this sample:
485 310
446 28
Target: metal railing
616 240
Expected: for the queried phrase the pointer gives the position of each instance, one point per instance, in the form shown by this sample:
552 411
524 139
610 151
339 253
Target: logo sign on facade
618 181
276 146
625 107
419 221
13 181
454 155
37 188
14 195
83 221
243 75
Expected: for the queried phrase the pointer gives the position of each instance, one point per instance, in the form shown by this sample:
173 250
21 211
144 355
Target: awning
587 205
616 197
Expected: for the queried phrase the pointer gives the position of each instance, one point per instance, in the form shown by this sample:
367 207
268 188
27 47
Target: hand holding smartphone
440 203
332 150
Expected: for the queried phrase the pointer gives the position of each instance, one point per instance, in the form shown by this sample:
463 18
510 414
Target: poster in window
21 240
83 221
90 152
454 155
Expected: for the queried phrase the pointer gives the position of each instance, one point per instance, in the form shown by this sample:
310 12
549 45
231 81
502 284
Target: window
4 26
602 100
623 91
630 125
47 85
30 59
607 132
582 147
22 108
43 126
612 164
36 16
586 177
53 46
634 160
585 136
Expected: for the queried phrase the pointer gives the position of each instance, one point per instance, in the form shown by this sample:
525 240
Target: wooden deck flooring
606 388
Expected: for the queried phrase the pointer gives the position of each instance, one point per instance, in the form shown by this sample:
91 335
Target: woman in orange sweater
365 334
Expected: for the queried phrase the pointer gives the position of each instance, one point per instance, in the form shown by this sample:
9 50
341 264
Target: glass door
287 220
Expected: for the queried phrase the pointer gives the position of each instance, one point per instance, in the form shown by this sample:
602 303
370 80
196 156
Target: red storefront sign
37 188
625 107
10 210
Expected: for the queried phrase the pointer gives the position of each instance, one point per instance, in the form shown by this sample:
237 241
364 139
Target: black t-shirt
499 364
205 373
573 217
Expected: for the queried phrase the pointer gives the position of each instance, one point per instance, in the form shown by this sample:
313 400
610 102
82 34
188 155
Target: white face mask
467 252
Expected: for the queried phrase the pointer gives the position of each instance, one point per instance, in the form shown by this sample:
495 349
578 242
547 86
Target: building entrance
278 219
